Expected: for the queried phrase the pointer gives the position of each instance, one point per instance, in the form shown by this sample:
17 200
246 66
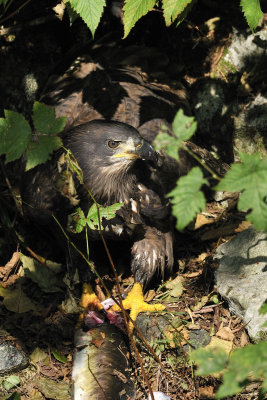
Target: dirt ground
34 45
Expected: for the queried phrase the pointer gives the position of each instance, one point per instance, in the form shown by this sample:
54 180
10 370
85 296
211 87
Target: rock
11 359
242 278
251 126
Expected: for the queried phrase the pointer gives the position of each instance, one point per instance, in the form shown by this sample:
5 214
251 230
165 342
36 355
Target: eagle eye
113 144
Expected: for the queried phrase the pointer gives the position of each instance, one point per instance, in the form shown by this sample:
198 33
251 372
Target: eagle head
107 152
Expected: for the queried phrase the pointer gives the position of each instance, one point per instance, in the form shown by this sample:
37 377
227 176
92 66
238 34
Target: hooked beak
142 150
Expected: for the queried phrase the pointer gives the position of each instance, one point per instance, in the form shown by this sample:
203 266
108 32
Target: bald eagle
117 162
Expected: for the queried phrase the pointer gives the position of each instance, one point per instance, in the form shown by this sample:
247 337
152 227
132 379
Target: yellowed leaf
202 220
225 333
221 343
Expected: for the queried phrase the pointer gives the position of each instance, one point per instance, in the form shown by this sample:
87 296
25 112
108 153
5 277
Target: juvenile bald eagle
118 164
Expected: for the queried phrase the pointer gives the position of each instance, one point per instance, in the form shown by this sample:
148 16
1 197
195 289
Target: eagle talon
135 302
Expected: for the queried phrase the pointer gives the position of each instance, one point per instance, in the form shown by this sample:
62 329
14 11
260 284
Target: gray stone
242 278
11 359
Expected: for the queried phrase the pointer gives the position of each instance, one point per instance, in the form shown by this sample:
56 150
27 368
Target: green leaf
263 308
39 152
248 363
183 128
90 11
209 361
72 13
104 212
252 12
43 276
58 356
173 8
187 199
11 381
15 134
249 177
133 11
45 121
79 220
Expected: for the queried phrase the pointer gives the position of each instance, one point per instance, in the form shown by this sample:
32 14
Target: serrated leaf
249 177
183 128
15 134
187 199
246 363
90 11
11 381
39 152
173 8
44 277
133 11
109 212
209 361
252 12
45 121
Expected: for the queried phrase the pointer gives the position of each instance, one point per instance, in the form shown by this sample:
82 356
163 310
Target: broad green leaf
44 277
183 128
15 300
58 356
173 8
187 199
15 134
45 121
11 381
133 11
248 363
71 12
249 177
90 11
39 152
109 212
252 12
209 361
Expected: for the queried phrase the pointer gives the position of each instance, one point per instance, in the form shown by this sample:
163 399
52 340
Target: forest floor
39 321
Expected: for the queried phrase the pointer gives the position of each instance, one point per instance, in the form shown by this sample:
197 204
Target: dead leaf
53 390
206 392
221 343
149 296
201 303
36 395
202 257
202 220
59 10
176 286
193 274
39 355
243 226
225 333
5 271
244 339
222 231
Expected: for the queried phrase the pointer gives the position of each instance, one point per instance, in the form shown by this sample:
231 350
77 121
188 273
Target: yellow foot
135 302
